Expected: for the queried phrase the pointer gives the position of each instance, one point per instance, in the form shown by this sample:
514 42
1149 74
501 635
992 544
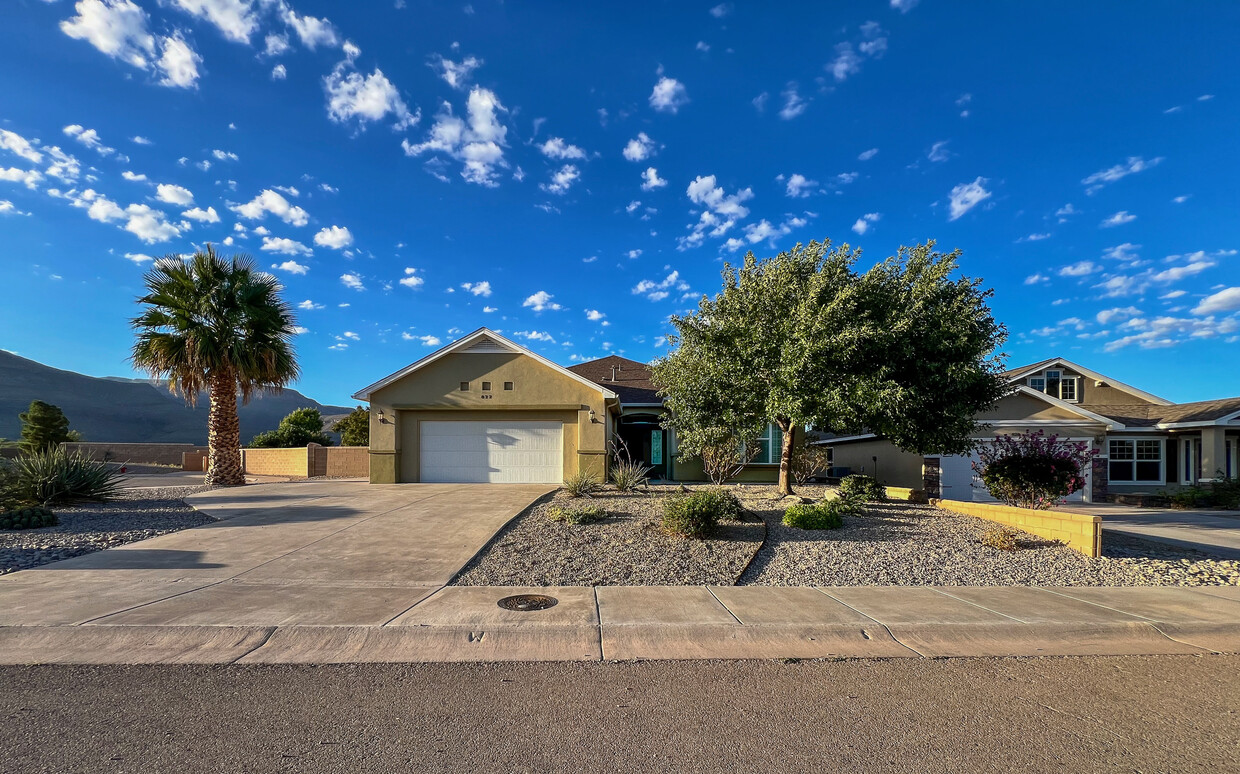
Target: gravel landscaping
890 544
137 514
626 549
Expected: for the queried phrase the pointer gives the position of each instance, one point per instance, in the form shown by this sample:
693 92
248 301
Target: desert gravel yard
890 544
137 514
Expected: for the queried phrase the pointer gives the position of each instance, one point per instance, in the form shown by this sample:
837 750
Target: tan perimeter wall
895 467
136 453
277 462
343 461
1084 533
308 461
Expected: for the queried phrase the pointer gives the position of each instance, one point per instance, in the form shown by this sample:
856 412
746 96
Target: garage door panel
959 482
491 452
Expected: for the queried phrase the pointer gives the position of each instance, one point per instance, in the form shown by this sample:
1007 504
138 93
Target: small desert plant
628 474
809 460
722 501
55 475
1002 538
33 517
823 515
863 488
576 516
583 483
726 458
697 514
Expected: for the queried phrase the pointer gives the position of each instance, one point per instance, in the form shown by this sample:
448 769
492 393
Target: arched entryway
645 440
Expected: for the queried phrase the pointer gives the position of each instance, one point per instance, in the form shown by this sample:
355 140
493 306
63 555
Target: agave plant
56 476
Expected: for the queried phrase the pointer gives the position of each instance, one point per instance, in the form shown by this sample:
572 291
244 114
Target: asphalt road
1146 714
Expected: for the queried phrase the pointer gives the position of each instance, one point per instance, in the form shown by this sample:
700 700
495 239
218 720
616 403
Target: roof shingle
629 379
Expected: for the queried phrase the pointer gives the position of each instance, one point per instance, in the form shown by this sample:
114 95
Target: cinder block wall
136 453
344 461
1084 533
277 462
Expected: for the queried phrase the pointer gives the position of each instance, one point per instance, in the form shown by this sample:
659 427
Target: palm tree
216 324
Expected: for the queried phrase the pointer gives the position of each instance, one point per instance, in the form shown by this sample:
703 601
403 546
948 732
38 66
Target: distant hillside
130 410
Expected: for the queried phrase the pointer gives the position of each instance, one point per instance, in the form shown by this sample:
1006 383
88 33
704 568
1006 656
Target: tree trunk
223 433
785 455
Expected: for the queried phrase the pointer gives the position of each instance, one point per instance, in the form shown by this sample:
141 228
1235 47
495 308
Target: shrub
809 460
862 488
1002 538
583 483
823 515
1033 470
1226 491
586 514
628 474
698 514
55 475
300 427
33 517
44 427
1192 497
354 427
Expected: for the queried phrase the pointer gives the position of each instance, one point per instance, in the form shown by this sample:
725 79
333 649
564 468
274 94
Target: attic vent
483 346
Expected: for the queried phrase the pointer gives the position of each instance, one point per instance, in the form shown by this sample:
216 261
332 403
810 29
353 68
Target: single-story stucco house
485 409
1145 443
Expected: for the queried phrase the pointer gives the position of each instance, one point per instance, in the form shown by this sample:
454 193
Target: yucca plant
583 483
56 476
627 474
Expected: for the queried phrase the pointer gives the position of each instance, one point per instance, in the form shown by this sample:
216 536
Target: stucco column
1213 453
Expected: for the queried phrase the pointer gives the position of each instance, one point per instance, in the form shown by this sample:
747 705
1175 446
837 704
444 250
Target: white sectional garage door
491 452
958 481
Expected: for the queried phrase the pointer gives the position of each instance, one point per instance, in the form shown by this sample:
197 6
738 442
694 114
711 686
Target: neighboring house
1145 443
485 409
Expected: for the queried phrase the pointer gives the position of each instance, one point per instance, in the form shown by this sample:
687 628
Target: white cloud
63 166
15 143
1225 300
1177 273
478 144
292 267
1180 199
173 194
1168 331
1036 279
657 291
562 179
455 74
285 245
938 151
866 155
489 309
966 196
279 72
276 44
149 224
116 27
669 95
846 62
139 258
224 155
702 46
721 210
1079 269
179 63
478 288
1036 237
309 305
640 147
1118 219
209 215
138 139
89 138
863 223
133 177
1117 314
799 186
721 10
1133 165
632 206
312 31
98 207
1125 253
268 201
234 18
540 301
534 336
904 6
8 208
352 96
594 315
351 280
30 178
794 103
410 280
429 341
651 179
335 237
557 148
351 336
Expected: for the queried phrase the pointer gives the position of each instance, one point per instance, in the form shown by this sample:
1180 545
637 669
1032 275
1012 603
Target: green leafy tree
301 427
216 324
354 428
904 350
44 427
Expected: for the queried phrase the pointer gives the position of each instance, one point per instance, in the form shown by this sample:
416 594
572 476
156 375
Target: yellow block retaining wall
905 493
307 461
1084 533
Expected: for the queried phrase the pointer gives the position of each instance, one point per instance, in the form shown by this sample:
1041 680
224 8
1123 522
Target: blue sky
571 173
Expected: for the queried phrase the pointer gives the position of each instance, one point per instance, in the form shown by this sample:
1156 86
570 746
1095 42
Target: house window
1055 384
508 385
1038 383
1136 461
464 386
770 445
486 386
1233 446
1067 390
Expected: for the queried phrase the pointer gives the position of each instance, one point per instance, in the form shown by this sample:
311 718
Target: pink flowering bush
1033 470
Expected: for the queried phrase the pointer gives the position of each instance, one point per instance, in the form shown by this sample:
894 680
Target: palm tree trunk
223 432
785 456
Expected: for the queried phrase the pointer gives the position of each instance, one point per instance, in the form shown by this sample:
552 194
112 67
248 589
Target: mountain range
121 410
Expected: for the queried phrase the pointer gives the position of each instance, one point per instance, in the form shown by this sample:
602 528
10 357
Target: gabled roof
1111 422
1014 374
628 378
1203 412
481 340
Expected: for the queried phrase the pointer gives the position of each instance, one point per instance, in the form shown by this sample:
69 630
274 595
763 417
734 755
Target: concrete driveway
1215 532
295 553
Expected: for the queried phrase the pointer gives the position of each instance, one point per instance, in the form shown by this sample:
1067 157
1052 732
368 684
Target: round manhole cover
526 602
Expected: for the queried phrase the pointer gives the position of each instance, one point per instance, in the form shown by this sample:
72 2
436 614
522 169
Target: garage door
959 482
491 452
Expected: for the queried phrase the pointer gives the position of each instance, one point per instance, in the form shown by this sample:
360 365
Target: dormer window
1054 383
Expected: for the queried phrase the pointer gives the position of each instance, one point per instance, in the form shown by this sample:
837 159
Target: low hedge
34 517
585 514
863 488
828 514
698 514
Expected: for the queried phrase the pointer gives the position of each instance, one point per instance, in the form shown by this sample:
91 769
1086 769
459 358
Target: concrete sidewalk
233 621
1215 532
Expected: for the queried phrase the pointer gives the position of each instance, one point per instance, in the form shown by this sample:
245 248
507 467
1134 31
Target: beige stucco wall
895 467
1022 406
433 392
